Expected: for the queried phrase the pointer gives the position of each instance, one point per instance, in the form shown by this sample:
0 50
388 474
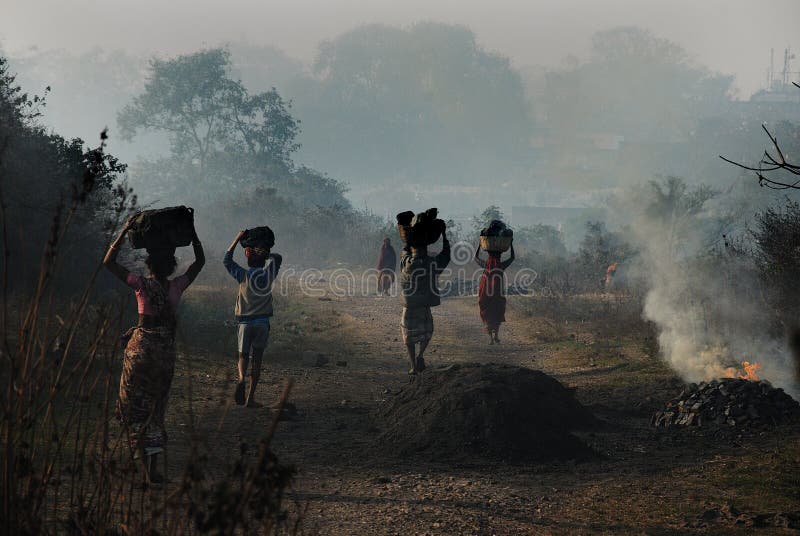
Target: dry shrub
66 463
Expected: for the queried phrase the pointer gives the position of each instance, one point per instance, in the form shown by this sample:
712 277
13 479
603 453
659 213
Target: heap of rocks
729 402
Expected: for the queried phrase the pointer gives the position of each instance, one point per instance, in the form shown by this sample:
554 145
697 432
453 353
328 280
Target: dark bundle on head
496 228
257 243
258 237
161 262
163 228
496 237
422 229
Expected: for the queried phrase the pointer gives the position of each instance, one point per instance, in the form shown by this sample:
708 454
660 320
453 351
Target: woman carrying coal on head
419 273
491 298
149 360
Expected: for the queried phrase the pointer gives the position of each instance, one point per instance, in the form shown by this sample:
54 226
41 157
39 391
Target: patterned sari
147 372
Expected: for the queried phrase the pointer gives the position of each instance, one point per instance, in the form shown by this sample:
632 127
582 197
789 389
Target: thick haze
547 112
728 36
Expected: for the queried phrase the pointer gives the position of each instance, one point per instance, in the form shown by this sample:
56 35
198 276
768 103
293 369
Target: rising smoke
704 296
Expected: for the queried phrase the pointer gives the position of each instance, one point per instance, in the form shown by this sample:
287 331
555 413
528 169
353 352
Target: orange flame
750 372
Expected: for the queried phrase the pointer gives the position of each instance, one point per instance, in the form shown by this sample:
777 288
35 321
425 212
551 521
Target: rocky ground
348 365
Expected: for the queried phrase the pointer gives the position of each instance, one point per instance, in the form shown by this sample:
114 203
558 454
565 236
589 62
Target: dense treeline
393 111
51 185
231 157
428 103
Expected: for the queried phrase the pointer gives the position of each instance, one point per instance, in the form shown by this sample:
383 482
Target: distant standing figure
491 299
253 311
149 362
611 272
387 264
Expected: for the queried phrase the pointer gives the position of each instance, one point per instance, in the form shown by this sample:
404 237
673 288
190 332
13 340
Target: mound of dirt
729 402
488 411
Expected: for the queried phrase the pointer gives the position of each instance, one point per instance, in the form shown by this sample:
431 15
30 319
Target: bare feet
156 478
238 395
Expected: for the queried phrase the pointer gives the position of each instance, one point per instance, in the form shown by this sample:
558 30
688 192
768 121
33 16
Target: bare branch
770 164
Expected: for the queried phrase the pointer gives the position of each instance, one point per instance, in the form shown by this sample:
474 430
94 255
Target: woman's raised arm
110 260
199 259
506 263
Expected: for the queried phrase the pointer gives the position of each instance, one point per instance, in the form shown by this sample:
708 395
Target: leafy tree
222 137
263 67
635 84
636 89
193 98
266 128
16 107
776 238
492 212
600 248
672 205
47 181
543 239
422 103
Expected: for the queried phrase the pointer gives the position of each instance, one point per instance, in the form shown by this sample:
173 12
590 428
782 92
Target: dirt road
346 359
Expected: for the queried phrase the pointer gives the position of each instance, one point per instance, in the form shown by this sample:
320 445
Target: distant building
780 101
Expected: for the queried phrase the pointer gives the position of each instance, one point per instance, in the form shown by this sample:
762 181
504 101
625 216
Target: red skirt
493 311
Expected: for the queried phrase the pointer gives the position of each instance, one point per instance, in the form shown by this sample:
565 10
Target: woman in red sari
491 298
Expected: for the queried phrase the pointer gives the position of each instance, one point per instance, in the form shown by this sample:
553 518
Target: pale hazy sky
730 36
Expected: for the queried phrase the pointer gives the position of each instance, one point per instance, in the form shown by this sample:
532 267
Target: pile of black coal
729 402
486 411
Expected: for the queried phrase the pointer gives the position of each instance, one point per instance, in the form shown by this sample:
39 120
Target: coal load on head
162 229
258 237
729 402
420 230
496 237
485 411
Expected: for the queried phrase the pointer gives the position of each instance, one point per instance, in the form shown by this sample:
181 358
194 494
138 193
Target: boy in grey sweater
253 311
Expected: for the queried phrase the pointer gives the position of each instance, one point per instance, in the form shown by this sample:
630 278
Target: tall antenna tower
779 81
771 71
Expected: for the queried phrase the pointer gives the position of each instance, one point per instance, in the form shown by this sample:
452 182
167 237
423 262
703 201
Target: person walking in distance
387 264
491 298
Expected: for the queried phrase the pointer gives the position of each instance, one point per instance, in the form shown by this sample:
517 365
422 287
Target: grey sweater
255 287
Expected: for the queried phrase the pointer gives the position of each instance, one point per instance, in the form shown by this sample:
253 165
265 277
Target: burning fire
750 371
